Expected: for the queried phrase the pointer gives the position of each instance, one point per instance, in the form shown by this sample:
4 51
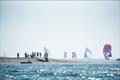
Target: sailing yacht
107 51
74 55
88 53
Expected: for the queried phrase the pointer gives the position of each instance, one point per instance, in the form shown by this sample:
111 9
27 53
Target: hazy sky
61 26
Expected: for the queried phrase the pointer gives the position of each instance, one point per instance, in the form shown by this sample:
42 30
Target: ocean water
47 71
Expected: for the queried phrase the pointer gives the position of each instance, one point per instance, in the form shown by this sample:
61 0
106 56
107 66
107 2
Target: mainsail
107 51
74 55
88 53
46 53
45 50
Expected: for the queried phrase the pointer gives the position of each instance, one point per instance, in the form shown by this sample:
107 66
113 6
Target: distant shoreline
13 60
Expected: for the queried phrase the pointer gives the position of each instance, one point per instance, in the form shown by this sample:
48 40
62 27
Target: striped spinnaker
107 51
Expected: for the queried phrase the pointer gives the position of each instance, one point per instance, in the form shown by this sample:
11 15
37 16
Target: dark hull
29 62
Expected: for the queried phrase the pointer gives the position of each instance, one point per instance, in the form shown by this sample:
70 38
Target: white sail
88 53
45 50
46 54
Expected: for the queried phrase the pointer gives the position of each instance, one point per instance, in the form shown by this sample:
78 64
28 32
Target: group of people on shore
32 55
35 55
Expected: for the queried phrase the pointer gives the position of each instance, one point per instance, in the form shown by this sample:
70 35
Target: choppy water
91 71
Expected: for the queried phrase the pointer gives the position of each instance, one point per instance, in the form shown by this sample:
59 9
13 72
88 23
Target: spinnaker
107 51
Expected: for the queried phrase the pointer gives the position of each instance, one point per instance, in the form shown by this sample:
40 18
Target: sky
61 26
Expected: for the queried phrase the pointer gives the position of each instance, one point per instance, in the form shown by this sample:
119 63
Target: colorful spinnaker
88 53
107 51
74 55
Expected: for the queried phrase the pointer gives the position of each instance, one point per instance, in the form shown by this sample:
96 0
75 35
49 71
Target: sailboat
107 51
46 53
65 55
88 53
74 55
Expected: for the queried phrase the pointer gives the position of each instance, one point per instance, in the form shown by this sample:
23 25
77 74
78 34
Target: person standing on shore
25 54
40 54
37 54
17 55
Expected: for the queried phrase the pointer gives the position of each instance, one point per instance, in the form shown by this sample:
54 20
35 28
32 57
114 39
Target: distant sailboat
74 55
65 55
46 53
107 51
45 50
88 53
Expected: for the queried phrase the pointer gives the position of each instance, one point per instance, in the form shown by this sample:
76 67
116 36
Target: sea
62 71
